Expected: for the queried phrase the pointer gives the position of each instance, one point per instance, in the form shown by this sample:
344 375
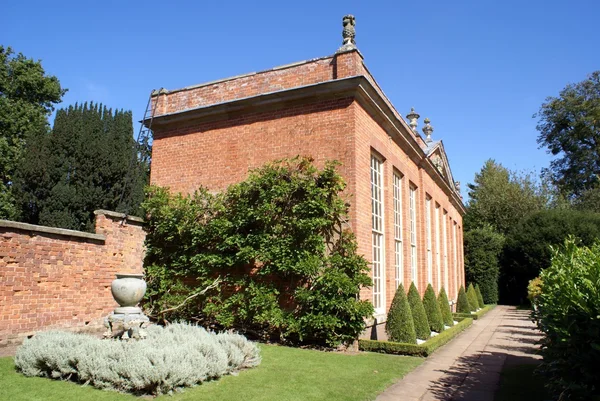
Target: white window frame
455 257
413 234
445 243
398 245
428 239
438 253
377 220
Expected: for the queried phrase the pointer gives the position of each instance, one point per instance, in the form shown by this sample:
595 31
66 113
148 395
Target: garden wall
57 278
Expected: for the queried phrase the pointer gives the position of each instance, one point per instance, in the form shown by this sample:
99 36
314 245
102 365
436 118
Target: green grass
476 315
284 374
519 383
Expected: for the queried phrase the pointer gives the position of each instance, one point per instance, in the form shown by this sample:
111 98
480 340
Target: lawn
284 374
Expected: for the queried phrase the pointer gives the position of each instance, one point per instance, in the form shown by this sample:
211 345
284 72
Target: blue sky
478 69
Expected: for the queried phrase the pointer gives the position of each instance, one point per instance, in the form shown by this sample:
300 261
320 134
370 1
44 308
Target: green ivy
277 244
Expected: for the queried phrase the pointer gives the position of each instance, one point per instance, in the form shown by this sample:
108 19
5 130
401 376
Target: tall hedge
472 296
418 313
527 250
275 245
483 247
462 303
399 325
479 296
445 308
432 310
567 313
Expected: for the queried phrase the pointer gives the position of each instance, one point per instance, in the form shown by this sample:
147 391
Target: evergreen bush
418 312
462 302
399 325
568 310
432 309
445 308
289 270
479 296
169 359
472 296
483 247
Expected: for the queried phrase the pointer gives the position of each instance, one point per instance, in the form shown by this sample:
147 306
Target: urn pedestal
127 321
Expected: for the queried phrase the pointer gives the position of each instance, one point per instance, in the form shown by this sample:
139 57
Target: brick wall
56 278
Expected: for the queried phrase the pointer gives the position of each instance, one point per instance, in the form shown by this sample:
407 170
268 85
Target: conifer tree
479 296
445 308
462 303
418 313
472 296
399 325
432 309
81 166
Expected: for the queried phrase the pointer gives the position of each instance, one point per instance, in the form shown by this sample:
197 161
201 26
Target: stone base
126 326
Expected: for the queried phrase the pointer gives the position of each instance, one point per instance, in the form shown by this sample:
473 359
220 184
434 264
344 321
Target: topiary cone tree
479 296
445 308
400 326
472 296
432 310
418 313
462 303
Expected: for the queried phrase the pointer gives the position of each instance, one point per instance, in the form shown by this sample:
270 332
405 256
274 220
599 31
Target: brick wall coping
118 215
51 230
218 81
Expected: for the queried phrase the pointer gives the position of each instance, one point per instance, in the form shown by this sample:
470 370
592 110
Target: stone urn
128 289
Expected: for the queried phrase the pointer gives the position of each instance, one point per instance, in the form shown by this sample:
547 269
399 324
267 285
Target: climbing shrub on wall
275 245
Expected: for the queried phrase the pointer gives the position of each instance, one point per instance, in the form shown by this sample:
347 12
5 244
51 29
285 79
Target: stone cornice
35 229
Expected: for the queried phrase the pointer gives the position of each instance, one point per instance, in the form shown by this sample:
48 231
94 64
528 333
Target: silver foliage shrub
170 358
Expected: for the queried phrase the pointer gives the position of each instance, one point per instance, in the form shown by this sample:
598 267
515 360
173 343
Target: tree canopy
89 161
569 127
27 97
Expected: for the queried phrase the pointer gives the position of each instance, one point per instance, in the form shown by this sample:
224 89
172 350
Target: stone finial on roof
413 116
427 130
348 33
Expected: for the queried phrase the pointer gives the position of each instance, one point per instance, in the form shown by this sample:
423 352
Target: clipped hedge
400 326
418 313
472 297
475 315
462 303
479 296
423 350
432 309
445 308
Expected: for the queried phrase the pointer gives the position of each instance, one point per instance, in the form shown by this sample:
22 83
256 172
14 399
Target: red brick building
406 209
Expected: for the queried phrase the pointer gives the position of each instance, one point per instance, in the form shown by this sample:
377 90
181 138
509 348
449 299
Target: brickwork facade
330 109
55 278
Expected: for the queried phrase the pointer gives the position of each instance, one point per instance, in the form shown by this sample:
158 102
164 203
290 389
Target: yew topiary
418 313
399 325
462 303
479 296
472 296
445 308
432 309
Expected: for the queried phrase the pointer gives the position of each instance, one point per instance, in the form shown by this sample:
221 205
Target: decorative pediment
437 155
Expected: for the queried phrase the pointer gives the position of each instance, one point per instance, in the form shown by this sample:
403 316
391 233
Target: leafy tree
418 313
399 325
462 303
527 249
432 310
84 164
288 269
472 296
501 198
27 97
479 296
569 127
483 247
445 308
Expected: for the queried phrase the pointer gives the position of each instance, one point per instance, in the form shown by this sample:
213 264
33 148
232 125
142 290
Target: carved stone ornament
427 130
348 33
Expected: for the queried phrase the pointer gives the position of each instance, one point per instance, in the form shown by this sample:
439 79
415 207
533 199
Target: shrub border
423 350
477 315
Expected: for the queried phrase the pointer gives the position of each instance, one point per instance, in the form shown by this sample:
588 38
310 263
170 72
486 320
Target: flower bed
424 350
